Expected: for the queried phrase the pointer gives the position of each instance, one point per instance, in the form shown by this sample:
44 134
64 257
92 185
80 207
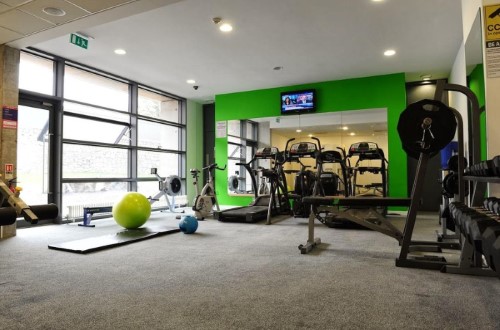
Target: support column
9 101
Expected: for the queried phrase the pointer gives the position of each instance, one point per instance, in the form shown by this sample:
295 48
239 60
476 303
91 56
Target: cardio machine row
280 201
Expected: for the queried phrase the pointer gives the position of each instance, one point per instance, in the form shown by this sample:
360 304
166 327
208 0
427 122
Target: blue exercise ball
188 224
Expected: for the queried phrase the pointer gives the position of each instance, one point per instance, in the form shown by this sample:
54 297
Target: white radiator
76 211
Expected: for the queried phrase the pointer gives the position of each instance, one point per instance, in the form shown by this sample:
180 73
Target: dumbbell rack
478 228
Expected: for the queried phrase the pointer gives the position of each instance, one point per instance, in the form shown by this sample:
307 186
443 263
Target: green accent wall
386 91
194 144
476 84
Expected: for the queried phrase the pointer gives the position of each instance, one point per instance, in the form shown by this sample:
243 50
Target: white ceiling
170 41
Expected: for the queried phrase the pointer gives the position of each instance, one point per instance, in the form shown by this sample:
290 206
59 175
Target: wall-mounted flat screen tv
298 101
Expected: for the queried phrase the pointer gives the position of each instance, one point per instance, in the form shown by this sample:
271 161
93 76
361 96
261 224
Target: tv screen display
298 101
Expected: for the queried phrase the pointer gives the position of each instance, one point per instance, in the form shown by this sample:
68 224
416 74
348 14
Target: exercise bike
206 199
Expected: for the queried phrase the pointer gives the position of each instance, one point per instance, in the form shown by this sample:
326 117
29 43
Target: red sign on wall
9 171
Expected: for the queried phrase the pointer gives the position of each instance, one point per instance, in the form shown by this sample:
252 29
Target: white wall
492 85
492 108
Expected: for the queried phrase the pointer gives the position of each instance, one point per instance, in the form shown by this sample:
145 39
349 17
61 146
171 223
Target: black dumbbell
496 165
489 202
467 219
476 229
490 236
494 255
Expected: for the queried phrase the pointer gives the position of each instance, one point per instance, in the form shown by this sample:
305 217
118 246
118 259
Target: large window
108 143
36 74
91 88
242 144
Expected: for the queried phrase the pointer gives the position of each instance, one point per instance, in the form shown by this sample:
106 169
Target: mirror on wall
335 131
474 45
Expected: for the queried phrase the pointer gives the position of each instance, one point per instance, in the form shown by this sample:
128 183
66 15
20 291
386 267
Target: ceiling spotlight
54 11
310 135
390 52
345 128
120 51
352 134
191 81
298 130
426 77
226 27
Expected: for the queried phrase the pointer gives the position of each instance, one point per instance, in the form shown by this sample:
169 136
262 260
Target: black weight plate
411 133
453 163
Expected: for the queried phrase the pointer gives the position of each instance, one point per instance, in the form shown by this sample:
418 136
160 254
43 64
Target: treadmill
263 206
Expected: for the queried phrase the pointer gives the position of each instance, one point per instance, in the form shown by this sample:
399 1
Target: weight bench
345 207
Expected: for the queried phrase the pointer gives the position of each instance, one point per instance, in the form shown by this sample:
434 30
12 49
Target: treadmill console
369 150
267 153
303 149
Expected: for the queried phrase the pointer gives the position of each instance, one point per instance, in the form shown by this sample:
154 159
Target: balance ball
132 211
188 224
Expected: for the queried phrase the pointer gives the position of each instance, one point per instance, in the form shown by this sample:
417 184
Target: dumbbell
476 228
489 203
469 221
490 237
463 217
494 255
455 210
496 165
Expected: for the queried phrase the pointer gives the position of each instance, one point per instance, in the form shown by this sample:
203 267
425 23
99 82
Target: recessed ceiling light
352 134
345 128
426 77
310 135
377 0
298 130
54 11
390 52
120 51
226 27
191 81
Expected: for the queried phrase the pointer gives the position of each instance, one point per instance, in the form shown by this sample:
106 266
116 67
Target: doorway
36 161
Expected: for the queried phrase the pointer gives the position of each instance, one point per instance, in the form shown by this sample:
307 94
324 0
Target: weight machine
425 128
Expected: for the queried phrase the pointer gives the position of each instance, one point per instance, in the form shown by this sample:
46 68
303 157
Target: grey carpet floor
234 276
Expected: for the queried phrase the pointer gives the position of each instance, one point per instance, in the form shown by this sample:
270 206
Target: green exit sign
79 41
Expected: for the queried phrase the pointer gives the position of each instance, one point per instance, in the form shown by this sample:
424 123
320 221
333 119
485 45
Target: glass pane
250 128
234 151
158 106
234 140
36 74
76 196
234 127
96 131
96 112
155 135
32 154
165 163
94 162
87 87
